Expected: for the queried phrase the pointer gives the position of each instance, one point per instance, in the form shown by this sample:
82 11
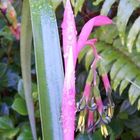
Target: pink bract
106 82
71 49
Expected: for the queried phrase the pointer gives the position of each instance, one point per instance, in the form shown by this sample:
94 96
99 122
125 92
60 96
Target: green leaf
56 3
123 72
5 123
135 29
117 65
123 85
106 7
20 88
123 17
97 135
7 130
9 134
19 105
123 115
107 33
116 126
78 6
138 43
25 53
127 136
134 91
139 104
25 133
97 2
48 66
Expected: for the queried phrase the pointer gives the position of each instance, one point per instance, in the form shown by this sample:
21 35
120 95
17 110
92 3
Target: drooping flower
71 48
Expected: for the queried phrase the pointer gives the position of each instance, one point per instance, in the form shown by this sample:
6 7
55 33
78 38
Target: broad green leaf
106 6
7 130
25 133
25 53
20 88
135 29
78 6
122 17
97 135
116 126
123 115
5 123
19 105
48 66
9 134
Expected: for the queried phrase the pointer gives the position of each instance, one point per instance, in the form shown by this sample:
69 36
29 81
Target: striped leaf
49 67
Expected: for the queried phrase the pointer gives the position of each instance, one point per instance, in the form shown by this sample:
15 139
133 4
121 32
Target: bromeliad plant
91 106
50 77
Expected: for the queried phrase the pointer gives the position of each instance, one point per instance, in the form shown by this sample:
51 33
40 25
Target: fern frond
125 10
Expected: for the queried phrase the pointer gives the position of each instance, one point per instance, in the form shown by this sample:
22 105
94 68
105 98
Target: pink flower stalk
90 119
86 93
98 100
99 104
91 43
71 48
68 98
69 33
106 82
